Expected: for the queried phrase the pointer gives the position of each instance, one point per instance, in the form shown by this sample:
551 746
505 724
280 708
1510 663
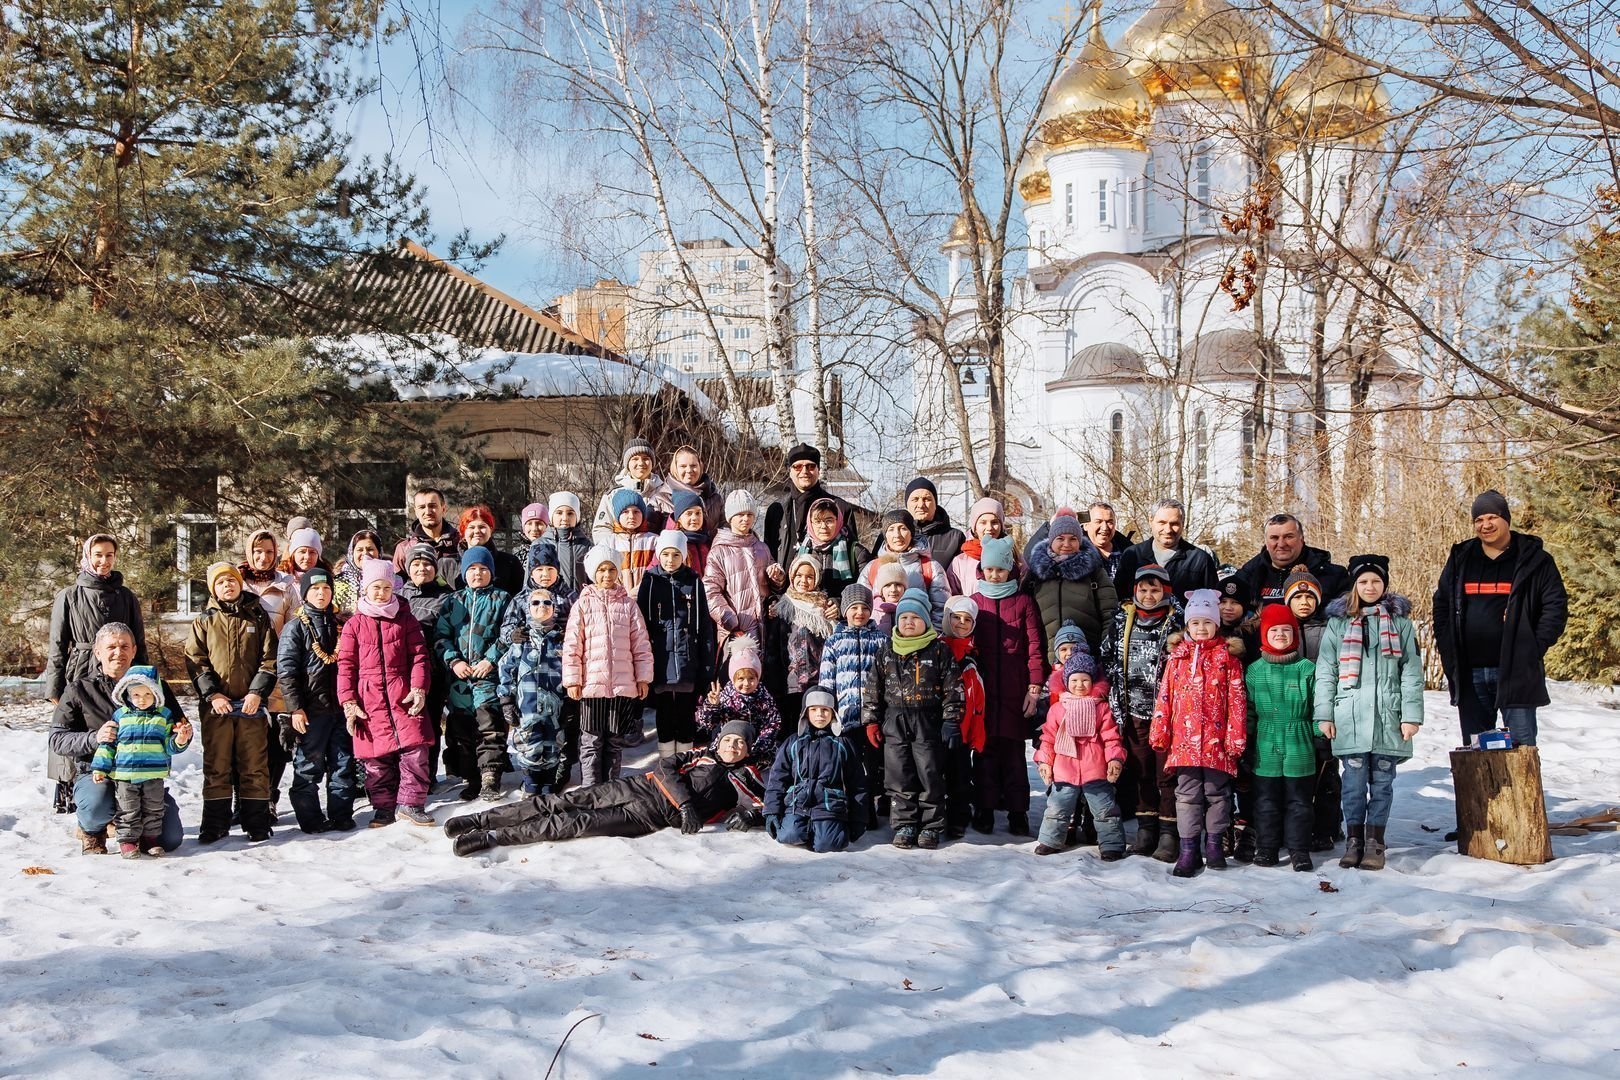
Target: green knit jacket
1281 730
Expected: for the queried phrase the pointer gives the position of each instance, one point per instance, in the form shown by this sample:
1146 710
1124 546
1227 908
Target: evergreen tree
170 177
1574 486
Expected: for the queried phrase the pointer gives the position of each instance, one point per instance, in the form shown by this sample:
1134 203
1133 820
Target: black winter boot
1147 836
474 842
216 820
1214 857
984 821
1018 823
1243 850
256 819
1353 844
1301 861
461 826
1373 854
1166 851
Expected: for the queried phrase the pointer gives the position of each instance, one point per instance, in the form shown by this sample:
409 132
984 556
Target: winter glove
519 634
286 734
874 735
691 820
728 621
744 820
1032 698
773 823
951 736
509 709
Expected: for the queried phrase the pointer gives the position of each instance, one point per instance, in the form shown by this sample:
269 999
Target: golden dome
961 238
1195 49
1096 101
1330 96
1034 182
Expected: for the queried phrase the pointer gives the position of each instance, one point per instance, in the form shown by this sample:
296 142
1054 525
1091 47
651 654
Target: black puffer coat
79 611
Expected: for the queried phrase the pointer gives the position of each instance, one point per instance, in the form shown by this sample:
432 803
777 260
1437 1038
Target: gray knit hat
636 446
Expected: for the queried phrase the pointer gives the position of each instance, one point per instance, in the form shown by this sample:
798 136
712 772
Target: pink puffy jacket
379 662
1095 754
606 651
735 582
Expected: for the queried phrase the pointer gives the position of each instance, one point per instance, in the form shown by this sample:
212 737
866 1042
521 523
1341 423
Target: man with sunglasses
1285 551
787 517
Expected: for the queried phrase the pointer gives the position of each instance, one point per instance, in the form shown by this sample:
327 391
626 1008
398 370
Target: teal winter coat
469 628
1368 717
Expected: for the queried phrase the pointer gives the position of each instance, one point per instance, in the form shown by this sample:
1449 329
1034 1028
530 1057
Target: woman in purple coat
383 680
1012 648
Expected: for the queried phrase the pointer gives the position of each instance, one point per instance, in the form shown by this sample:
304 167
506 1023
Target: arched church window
1116 453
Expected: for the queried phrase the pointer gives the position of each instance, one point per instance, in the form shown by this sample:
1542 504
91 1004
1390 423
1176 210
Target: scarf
1280 657
997 590
973 548
1079 722
905 646
84 554
808 611
258 577
1355 639
839 561
378 611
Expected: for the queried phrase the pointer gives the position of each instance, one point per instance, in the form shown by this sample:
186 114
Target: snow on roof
437 367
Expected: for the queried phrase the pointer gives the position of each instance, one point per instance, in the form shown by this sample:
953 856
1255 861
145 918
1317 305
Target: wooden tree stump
1501 810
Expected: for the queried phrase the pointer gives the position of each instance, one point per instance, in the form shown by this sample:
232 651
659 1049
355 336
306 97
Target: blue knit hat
623 499
475 555
1080 663
1071 634
916 602
544 553
997 553
682 501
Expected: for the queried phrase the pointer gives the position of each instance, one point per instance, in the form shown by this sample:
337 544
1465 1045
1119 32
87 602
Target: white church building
1131 372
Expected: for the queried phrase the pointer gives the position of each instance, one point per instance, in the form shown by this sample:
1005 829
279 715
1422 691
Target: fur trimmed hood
1044 566
1398 605
1173 640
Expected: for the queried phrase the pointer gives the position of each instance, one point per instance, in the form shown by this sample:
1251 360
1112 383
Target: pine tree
1574 487
170 173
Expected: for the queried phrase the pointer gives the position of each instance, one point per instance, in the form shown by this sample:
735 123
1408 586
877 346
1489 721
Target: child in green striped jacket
137 761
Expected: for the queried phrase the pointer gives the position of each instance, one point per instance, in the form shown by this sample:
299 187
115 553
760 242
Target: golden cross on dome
1067 16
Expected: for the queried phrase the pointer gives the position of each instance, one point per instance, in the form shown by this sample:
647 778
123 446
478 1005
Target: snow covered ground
378 953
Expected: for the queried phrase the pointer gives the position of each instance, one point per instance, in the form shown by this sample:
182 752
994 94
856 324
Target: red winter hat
1277 615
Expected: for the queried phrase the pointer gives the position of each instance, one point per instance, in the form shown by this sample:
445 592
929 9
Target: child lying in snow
687 789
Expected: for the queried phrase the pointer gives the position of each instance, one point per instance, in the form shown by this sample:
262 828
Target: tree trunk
778 354
812 270
1501 809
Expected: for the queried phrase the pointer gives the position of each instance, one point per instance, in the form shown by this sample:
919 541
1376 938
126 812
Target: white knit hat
672 538
562 498
596 557
740 502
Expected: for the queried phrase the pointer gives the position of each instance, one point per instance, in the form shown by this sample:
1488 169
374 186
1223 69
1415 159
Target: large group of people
798 680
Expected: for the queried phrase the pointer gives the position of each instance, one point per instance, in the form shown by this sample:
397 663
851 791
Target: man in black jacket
933 523
1500 606
1285 552
787 517
83 719
1189 566
687 790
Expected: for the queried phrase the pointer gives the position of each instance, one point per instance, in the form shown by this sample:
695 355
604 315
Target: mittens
691 820
874 735
286 734
773 822
951 735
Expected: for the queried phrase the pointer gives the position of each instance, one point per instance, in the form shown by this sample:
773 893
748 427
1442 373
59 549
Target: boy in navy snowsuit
531 696
816 792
